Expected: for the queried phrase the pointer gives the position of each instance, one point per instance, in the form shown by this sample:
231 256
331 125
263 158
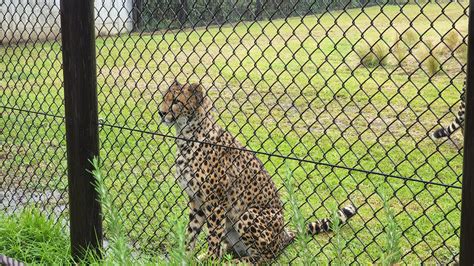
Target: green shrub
120 252
399 51
432 65
338 241
393 252
461 53
410 37
451 40
32 238
297 221
374 56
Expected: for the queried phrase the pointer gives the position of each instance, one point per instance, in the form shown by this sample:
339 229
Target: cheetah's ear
197 91
176 84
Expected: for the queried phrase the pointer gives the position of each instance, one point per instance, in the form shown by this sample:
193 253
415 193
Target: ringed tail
456 124
325 225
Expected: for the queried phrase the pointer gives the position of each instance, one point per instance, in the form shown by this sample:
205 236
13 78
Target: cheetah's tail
324 225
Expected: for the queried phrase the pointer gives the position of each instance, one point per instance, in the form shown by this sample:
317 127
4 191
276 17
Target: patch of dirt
14 200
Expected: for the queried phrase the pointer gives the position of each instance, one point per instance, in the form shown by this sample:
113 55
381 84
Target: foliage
179 255
120 252
373 56
410 37
297 220
338 241
432 65
169 14
393 252
461 53
451 40
399 51
32 238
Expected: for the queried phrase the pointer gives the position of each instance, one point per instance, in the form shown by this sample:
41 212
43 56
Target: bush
410 38
432 65
451 40
170 14
461 53
374 56
399 51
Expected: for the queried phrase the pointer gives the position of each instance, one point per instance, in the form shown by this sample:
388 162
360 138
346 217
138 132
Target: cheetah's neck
196 128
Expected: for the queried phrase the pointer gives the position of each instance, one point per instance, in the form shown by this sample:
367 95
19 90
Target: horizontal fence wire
282 156
337 99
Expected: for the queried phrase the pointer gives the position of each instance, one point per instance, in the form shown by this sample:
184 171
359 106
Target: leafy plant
393 252
179 255
461 53
120 252
399 51
338 241
297 219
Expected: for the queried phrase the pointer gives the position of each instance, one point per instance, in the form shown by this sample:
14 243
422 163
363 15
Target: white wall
23 20
113 16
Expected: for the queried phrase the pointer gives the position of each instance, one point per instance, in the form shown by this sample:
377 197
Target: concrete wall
30 20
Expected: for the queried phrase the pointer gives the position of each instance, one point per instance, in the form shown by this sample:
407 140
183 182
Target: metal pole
467 204
80 94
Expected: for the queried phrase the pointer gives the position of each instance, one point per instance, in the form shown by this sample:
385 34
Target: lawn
293 91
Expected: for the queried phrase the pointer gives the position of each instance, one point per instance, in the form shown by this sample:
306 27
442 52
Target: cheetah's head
181 102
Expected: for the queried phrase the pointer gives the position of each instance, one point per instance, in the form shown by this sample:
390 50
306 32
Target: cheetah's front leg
215 222
196 222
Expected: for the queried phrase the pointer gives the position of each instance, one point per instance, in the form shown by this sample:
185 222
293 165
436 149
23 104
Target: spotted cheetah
228 186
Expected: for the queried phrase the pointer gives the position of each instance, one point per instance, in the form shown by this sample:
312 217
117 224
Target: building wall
30 20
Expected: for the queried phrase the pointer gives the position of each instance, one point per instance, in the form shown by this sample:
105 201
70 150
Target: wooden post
80 95
467 204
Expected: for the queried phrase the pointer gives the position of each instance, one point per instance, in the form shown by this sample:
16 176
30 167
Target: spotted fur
228 187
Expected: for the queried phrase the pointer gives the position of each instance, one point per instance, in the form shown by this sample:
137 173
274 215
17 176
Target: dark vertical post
80 94
136 14
467 203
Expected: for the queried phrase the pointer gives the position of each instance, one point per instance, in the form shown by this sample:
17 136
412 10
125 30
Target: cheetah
228 187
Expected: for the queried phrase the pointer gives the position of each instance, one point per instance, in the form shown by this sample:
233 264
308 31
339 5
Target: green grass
287 87
31 238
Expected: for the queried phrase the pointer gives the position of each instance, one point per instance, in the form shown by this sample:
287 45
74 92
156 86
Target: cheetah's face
180 102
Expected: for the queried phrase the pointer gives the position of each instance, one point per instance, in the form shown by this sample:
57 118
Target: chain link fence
341 95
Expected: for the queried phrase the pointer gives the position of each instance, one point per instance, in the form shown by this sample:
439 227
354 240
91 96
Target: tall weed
393 252
297 220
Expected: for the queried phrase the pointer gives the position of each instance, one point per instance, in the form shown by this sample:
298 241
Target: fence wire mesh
341 95
32 140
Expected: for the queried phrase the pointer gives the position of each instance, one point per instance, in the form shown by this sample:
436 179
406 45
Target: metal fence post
467 204
80 93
